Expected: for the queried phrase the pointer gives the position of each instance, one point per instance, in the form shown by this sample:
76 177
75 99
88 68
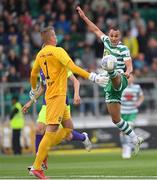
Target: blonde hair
47 33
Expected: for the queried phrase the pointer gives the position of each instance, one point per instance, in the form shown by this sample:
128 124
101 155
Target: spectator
2 34
35 37
151 51
17 123
14 45
132 43
13 76
153 72
139 65
13 60
88 58
19 28
63 24
136 22
151 29
25 68
142 39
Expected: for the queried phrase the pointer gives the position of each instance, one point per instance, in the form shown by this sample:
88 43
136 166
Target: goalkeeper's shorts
42 114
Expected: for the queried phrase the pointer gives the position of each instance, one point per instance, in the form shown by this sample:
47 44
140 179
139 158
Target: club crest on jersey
60 119
106 52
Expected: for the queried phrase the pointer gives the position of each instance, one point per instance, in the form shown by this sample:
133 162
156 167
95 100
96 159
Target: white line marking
85 177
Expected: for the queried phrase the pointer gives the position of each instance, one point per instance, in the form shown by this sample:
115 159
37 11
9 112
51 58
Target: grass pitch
98 164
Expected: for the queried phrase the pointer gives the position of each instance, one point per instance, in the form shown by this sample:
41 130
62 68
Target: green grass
85 166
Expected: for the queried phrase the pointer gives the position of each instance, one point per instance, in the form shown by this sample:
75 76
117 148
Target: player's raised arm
90 24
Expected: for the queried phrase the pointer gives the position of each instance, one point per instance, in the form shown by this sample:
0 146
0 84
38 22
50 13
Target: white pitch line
84 177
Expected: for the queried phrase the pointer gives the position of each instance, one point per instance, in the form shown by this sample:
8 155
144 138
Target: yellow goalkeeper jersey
53 60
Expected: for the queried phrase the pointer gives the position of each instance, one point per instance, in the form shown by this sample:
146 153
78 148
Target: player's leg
113 98
39 133
123 126
75 135
40 127
126 146
16 141
126 140
54 113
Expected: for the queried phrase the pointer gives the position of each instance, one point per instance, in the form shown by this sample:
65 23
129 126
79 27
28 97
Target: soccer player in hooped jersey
132 98
41 121
54 62
114 49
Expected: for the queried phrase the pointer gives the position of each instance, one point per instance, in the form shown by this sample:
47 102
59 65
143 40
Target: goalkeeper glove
100 79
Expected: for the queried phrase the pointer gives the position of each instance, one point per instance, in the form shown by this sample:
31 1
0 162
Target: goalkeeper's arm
90 24
30 102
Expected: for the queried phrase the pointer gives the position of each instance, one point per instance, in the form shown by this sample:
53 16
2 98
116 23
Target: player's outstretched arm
99 79
26 107
90 24
76 84
67 61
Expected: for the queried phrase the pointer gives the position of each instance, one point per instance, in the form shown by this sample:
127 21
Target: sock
77 136
61 134
38 138
112 74
44 146
49 139
126 129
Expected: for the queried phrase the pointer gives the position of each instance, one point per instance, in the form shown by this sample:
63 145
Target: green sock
112 74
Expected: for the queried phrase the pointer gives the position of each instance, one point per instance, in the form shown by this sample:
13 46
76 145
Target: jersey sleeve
69 73
126 54
36 66
62 56
103 38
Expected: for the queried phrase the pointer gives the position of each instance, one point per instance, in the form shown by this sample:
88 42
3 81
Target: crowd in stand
21 21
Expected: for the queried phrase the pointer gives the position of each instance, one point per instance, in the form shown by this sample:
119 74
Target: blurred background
20 22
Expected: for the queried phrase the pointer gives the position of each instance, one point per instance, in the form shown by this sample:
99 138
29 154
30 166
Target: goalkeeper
41 121
115 55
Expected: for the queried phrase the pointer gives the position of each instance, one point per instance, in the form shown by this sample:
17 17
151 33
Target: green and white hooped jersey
121 52
129 98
